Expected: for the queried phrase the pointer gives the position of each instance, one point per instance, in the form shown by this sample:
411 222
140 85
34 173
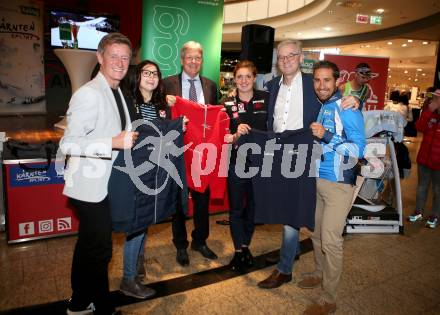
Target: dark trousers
201 221
241 209
92 254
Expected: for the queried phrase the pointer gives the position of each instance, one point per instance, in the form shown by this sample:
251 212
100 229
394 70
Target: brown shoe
320 308
309 281
275 280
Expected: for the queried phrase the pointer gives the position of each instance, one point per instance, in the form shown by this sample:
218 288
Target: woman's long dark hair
158 98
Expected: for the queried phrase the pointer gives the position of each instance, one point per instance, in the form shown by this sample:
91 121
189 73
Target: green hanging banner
168 24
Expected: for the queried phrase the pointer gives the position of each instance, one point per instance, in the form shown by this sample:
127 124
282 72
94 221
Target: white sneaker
87 311
432 222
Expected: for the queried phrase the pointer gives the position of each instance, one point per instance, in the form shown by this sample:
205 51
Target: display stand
36 206
370 213
79 65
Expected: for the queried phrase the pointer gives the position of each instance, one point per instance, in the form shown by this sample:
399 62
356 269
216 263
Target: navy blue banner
20 177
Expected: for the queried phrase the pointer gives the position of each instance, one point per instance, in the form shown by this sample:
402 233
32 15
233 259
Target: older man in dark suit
190 85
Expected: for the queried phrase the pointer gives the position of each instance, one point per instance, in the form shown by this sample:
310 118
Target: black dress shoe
273 258
205 251
237 263
248 259
182 257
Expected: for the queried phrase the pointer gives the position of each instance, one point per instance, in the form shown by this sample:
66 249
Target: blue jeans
289 249
133 249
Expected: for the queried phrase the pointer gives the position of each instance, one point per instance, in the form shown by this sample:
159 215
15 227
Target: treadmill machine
377 205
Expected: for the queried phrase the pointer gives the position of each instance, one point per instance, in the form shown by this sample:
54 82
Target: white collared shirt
197 84
288 112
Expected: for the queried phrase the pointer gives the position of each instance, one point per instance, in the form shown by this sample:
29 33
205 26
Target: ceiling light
390 43
389 69
404 45
410 40
419 69
415 80
406 71
425 43
389 76
299 33
367 46
380 10
409 79
327 28
423 74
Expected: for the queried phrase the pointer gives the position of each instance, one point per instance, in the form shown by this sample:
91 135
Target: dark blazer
173 86
310 101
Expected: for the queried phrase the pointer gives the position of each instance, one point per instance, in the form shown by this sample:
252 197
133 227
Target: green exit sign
375 19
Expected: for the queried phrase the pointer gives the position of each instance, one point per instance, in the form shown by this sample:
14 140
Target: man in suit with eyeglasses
293 105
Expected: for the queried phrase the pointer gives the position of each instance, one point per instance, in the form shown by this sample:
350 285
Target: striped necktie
192 90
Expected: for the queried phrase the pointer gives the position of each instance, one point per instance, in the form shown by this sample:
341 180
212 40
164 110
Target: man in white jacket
98 124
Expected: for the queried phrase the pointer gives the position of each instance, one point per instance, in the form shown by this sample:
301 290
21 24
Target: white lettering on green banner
168 24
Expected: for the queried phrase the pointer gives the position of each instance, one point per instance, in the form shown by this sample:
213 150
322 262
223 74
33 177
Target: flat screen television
90 28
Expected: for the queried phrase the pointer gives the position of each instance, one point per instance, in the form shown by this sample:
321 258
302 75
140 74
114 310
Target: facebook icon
26 228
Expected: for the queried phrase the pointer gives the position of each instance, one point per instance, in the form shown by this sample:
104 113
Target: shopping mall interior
391 271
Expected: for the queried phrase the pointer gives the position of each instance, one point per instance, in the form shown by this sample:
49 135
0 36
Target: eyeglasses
289 57
149 74
196 59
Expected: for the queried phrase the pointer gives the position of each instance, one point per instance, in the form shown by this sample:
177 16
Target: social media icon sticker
26 228
45 226
64 224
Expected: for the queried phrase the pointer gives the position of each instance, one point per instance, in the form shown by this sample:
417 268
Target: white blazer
92 120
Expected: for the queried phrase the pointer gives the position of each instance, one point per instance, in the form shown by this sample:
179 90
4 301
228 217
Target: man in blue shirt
342 137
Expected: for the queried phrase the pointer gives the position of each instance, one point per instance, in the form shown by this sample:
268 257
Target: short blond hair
113 38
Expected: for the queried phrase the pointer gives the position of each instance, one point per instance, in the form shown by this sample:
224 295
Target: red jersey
205 131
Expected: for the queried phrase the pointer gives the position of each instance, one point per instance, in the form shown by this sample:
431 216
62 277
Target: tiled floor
383 274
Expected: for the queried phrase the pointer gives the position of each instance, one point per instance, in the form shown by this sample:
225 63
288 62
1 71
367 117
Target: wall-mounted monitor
90 28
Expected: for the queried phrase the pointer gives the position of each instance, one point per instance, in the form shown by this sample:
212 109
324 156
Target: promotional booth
35 205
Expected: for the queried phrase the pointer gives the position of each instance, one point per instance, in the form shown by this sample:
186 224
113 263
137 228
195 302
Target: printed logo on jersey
241 108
